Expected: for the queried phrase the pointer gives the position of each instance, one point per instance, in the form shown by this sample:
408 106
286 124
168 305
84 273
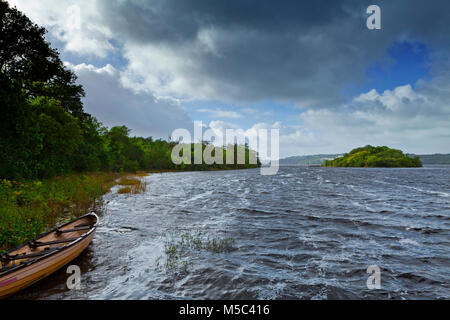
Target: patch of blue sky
114 57
404 63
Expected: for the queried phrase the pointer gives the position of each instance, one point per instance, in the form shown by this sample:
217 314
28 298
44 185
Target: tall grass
180 250
31 207
132 185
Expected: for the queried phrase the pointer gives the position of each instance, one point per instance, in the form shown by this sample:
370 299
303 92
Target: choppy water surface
306 233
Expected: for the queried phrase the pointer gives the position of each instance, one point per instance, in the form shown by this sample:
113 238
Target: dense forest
44 130
370 156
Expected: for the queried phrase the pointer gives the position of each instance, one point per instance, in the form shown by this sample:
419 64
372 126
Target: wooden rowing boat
32 261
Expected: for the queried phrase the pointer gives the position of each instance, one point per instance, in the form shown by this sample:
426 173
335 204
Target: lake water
305 233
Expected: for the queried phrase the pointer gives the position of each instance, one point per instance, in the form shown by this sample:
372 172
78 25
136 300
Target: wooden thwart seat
34 244
7 258
90 225
5 269
81 228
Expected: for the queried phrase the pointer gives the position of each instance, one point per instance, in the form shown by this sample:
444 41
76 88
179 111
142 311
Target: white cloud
113 104
207 38
165 71
75 23
220 126
292 138
219 113
416 120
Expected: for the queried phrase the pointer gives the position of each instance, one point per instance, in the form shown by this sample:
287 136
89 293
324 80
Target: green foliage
38 139
60 135
30 207
131 154
20 139
91 154
370 156
29 61
41 104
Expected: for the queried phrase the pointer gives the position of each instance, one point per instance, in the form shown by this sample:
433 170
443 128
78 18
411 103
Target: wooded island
369 156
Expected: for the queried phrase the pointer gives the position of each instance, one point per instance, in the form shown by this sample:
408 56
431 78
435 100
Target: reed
124 190
180 249
127 181
132 184
142 173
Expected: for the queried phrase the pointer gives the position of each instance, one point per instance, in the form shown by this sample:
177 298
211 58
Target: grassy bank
28 208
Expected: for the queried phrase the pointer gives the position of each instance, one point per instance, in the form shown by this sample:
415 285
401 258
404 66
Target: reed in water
132 185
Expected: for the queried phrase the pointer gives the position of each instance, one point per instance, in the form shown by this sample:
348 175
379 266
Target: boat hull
25 276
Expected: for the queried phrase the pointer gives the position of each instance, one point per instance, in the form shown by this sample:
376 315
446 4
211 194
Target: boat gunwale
61 249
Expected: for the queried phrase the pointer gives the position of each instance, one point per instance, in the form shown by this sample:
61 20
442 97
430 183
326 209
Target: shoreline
30 207
187 170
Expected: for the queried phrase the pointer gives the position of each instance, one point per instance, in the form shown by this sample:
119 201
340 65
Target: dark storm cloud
181 20
305 52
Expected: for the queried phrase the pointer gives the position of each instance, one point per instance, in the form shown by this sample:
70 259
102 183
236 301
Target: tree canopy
29 61
370 156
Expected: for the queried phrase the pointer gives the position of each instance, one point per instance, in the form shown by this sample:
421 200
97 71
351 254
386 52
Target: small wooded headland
369 156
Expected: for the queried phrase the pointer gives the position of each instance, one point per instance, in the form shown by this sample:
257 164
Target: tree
60 136
28 60
20 140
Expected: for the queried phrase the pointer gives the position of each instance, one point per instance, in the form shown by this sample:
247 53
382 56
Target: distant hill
433 158
316 159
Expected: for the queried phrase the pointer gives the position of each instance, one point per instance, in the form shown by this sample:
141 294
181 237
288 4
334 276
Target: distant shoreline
318 159
322 166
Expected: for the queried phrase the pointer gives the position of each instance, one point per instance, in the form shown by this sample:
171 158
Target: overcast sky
309 68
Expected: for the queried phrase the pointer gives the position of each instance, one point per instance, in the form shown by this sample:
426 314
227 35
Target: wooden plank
27 256
41 244
74 229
